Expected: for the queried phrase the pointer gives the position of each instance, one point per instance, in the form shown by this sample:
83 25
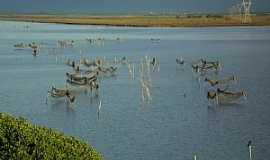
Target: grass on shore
143 21
21 140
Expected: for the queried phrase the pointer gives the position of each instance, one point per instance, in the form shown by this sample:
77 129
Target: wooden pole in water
99 107
129 71
115 60
250 149
250 152
133 71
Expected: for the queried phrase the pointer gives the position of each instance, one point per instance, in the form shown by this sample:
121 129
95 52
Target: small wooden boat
20 45
82 80
204 65
65 44
91 84
59 93
214 82
105 70
223 97
81 77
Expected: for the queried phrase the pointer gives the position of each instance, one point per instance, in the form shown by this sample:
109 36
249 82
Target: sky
125 6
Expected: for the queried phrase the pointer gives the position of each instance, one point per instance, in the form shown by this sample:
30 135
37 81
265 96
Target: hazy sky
124 6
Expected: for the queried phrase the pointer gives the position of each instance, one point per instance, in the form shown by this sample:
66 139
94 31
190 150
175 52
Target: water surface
171 126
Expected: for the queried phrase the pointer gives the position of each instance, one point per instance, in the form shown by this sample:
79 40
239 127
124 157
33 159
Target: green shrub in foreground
21 140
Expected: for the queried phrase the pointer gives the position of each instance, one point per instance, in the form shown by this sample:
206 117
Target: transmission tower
246 11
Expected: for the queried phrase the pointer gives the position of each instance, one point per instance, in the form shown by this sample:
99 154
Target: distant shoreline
143 21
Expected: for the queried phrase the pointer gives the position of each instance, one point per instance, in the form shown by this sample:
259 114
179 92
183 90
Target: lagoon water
171 126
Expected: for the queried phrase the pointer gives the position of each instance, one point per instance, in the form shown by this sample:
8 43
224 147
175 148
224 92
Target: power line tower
246 11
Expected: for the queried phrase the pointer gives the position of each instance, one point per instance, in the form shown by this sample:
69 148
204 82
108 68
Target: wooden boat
214 82
222 96
80 77
58 93
81 80
106 70
75 79
204 65
20 45
65 44
91 84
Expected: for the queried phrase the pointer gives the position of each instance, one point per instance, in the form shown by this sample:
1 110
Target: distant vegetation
21 140
189 20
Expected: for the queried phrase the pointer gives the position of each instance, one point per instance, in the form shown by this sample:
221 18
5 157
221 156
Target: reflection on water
177 123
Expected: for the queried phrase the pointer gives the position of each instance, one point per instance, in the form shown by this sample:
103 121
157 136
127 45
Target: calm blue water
171 126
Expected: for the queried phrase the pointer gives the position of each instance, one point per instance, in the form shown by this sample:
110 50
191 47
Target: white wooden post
250 152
